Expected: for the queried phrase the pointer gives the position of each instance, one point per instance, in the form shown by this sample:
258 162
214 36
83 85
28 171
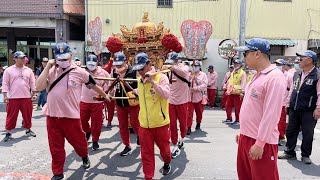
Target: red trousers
60 129
123 115
178 112
198 108
224 99
110 107
211 96
13 107
94 112
233 101
282 125
149 136
262 169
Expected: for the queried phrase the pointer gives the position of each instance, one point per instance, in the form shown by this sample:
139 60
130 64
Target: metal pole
86 26
242 35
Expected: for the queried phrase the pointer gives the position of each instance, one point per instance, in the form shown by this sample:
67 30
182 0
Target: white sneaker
175 152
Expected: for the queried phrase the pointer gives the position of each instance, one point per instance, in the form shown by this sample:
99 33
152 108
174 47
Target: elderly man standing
304 107
235 92
259 115
18 79
64 80
154 92
212 77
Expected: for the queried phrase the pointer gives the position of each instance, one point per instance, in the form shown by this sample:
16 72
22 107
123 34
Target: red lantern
171 42
114 44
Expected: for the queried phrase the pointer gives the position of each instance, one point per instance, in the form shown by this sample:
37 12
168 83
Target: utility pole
242 35
86 23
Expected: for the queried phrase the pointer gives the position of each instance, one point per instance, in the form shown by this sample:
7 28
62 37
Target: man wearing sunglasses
63 81
304 107
235 91
260 114
18 79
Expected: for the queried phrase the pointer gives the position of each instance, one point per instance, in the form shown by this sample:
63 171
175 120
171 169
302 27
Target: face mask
196 68
280 68
120 70
63 64
253 71
91 65
297 66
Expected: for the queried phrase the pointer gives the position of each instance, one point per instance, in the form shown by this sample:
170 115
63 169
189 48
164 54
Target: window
165 3
3 52
276 52
279 0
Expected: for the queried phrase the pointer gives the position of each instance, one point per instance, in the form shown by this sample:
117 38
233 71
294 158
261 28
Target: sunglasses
141 69
245 54
63 60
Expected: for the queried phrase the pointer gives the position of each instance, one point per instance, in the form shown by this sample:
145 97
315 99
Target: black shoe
198 126
180 144
86 162
138 141
131 130
30 133
126 151
7 137
287 156
88 135
95 146
306 160
189 131
109 125
57 177
166 168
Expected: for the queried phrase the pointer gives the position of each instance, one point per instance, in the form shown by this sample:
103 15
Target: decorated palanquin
146 37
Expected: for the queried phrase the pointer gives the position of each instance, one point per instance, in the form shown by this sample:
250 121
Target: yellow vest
235 77
154 110
249 77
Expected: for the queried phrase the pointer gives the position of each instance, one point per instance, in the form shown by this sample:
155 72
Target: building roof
75 7
279 42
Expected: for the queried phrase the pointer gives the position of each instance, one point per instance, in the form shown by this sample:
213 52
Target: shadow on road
13 141
115 165
311 170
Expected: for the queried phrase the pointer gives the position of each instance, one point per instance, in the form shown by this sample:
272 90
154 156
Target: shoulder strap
181 78
59 78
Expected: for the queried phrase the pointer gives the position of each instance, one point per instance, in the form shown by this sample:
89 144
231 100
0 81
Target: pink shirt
212 80
179 90
292 70
225 80
199 82
17 82
163 87
88 94
261 107
64 99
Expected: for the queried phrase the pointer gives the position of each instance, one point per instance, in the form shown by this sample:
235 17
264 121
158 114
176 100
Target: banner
195 36
95 32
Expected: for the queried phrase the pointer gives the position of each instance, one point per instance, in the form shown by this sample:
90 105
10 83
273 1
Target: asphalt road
209 153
